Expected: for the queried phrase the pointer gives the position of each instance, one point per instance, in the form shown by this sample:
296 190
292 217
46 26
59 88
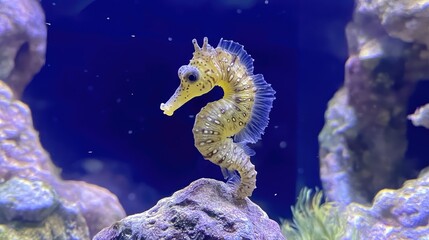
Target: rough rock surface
22 156
394 214
22 42
203 210
403 19
21 199
45 216
363 142
420 117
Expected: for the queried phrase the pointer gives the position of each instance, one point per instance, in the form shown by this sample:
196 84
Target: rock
98 206
363 142
203 210
403 19
21 199
394 214
63 222
22 156
22 42
420 117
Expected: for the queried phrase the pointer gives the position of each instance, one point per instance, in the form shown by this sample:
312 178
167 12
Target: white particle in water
133 36
108 18
54 4
90 151
191 116
283 144
93 165
48 23
130 131
131 196
266 1
239 11
170 39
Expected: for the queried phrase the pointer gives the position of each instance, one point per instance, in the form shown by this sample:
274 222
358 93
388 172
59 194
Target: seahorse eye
192 76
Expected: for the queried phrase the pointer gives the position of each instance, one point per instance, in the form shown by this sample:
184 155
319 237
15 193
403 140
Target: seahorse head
196 79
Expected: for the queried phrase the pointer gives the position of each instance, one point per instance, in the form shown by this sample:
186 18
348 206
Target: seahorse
223 128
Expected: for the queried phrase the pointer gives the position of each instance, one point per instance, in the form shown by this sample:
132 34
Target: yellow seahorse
242 113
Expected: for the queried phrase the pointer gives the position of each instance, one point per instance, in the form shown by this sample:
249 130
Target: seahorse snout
175 102
167 109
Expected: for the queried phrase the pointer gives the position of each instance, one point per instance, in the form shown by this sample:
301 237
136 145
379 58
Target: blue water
111 64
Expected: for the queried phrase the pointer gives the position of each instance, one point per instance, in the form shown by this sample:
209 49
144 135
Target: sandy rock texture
22 42
22 156
45 215
394 214
363 142
203 210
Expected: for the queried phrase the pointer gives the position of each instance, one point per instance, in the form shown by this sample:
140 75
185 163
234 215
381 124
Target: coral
205 209
394 214
22 42
22 156
420 117
26 200
403 19
314 220
363 142
32 210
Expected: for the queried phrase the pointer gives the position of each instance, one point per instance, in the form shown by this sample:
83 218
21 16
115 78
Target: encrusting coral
22 157
364 140
22 42
64 209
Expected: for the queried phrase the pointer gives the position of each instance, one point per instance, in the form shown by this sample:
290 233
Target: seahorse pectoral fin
175 102
250 152
230 175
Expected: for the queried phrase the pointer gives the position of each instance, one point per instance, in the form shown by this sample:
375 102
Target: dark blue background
110 66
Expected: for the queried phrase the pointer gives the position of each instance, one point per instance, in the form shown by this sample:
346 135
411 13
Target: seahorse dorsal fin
238 50
264 97
259 119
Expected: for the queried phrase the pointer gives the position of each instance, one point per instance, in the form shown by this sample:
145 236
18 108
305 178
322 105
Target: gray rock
98 206
26 200
363 142
394 214
420 117
22 42
403 19
203 210
22 156
59 221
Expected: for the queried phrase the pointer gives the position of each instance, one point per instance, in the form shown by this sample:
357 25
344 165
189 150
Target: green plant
313 219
